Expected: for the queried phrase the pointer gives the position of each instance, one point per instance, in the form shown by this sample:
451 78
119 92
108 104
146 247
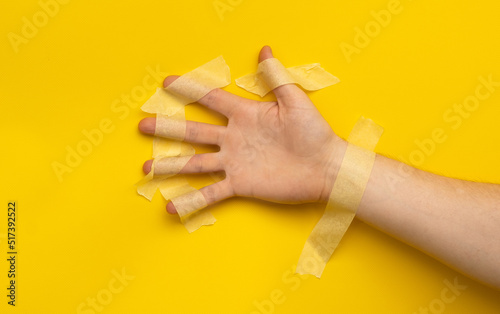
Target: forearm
457 222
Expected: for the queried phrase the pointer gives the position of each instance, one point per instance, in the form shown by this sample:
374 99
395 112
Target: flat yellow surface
87 243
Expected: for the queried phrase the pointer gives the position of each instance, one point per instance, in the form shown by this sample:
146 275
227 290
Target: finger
217 99
283 92
146 167
265 53
196 132
213 193
201 163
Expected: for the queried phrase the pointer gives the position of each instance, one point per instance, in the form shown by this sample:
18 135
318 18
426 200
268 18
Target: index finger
217 99
282 92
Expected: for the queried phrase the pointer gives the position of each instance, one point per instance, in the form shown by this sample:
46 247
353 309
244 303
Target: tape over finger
169 103
271 74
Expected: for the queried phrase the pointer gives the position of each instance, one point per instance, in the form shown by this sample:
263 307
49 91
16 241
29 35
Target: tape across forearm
170 155
271 74
344 200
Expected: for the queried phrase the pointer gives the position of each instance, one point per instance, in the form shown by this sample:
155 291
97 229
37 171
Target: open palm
281 151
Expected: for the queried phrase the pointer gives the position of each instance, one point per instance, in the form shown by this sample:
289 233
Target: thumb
265 53
284 93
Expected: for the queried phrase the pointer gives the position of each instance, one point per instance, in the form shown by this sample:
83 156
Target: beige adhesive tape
148 186
189 88
187 204
170 128
163 147
199 82
170 165
344 200
271 74
187 200
164 102
171 156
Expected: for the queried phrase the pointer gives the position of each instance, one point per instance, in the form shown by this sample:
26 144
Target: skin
284 151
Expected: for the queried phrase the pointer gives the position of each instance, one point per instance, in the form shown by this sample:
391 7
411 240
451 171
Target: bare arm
280 151
457 222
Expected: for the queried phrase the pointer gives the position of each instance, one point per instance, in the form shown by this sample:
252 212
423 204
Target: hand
282 151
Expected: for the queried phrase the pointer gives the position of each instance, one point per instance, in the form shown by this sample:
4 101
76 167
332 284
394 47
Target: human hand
282 151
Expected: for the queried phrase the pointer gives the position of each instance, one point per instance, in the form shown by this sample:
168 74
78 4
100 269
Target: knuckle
192 132
220 135
211 97
210 194
198 166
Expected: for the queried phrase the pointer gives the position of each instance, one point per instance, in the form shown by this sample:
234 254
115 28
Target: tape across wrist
353 174
344 200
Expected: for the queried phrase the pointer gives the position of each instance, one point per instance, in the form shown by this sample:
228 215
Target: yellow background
72 74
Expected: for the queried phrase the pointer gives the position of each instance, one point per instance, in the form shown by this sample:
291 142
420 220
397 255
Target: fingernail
171 208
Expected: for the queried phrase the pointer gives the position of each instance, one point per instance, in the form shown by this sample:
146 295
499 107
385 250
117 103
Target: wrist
333 162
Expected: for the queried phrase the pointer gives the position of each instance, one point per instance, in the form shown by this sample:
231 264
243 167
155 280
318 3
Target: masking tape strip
148 186
170 165
187 200
344 200
189 88
163 147
189 203
271 74
365 134
171 156
170 128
